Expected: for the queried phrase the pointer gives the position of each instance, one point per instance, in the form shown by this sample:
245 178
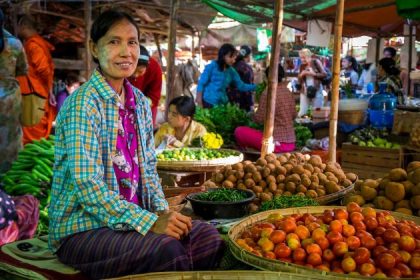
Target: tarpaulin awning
361 17
409 9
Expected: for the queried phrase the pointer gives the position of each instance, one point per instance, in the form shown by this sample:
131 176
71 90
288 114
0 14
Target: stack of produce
372 137
194 154
398 191
286 174
353 240
31 173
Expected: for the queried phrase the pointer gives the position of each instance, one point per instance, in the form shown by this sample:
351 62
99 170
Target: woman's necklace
121 96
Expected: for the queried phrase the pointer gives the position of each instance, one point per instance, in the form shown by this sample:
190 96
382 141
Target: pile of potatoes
287 174
399 191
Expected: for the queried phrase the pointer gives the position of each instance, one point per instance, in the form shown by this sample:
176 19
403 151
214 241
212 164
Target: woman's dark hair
366 66
105 21
388 64
1 31
280 73
243 52
184 105
353 62
225 49
71 78
391 50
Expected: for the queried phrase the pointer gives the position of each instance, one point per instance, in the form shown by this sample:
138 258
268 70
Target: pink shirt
126 164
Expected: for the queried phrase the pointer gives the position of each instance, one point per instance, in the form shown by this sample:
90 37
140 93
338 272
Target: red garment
150 84
285 114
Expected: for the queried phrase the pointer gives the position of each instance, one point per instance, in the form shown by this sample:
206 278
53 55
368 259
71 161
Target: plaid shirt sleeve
87 171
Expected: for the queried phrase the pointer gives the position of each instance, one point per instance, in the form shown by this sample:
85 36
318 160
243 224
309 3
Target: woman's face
230 58
305 59
175 119
345 64
118 51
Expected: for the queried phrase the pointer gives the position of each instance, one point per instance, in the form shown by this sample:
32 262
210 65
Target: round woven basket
200 165
222 275
352 117
276 265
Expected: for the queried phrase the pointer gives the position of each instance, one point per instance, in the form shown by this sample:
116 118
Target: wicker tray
275 265
326 199
200 165
222 275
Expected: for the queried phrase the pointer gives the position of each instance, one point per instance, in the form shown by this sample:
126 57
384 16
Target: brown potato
227 184
256 176
288 167
320 192
272 167
351 176
306 181
252 207
257 189
298 169
270 179
414 176
354 198
332 187
413 166
347 183
315 161
249 183
281 186
270 158
262 183
232 178
287 193
332 178
272 187
295 178
309 167
311 194
241 186
261 162
301 188
291 187
238 166
280 178
280 170
265 172
282 159
219 177
265 197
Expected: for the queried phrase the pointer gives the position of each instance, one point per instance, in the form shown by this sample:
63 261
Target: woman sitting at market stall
180 129
349 70
108 214
218 76
311 73
284 132
389 73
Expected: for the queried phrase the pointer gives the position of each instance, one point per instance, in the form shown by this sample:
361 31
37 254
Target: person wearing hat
245 100
148 79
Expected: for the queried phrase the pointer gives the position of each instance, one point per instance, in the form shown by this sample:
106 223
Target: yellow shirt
194 130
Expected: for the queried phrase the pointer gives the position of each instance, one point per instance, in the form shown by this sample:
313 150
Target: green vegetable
287 202
223 119
194 154
223 195
303 134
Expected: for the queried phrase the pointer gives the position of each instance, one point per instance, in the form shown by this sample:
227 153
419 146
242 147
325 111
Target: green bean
287 202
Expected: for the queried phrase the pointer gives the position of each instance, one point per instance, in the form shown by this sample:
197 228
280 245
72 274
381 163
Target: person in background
180 129
390 52
38 99
72 82
12 65
349 70
389 73
245 100
367 78
108 213
218 76
311 73
148 79
285 113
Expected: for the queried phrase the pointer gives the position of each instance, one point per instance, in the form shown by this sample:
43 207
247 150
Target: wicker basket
200 165
222 275
275 265
352 117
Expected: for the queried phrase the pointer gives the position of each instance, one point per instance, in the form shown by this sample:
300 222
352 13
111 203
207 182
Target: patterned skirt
104 253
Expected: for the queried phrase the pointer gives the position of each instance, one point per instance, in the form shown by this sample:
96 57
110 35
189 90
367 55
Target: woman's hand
172 224
170 139
199 99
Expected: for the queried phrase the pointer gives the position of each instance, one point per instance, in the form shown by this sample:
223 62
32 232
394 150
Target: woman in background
218 76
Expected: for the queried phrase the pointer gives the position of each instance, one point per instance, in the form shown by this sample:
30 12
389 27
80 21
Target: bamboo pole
88 22
410 58
170 66
338 28
267 143
156 36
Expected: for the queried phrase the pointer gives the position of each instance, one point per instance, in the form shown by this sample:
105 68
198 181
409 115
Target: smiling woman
108 214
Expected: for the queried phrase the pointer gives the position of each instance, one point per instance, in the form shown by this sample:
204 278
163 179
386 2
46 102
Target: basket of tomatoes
330 240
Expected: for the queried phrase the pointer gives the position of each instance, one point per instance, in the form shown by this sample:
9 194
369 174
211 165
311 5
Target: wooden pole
378 49
267 143
88 22
156 36
338 28
410 58
192 44
170 66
